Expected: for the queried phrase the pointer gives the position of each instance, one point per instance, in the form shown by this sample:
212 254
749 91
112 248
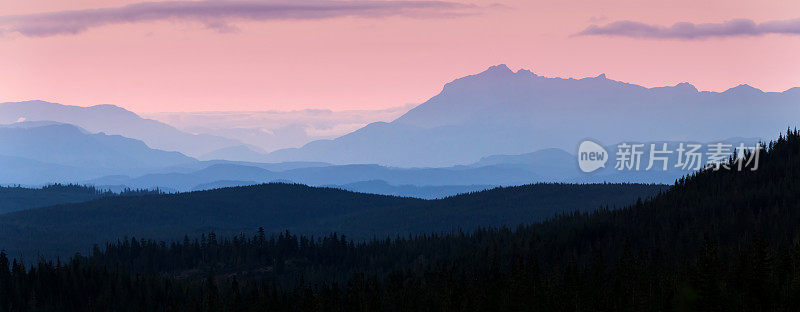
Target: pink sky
370 63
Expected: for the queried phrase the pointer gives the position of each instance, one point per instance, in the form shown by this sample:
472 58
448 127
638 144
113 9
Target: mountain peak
686 85
110 108
498 69
107 106
526 72
743 88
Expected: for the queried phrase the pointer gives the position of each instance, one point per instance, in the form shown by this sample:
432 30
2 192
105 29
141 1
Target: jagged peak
526 72
498 69
686 85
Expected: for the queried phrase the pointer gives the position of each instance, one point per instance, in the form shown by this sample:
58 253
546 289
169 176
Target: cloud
731 28
272 130
217 14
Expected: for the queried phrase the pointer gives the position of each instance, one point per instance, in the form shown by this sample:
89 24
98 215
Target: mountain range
47 152
495 112
494 128
500 111
548 165
115 120
40 153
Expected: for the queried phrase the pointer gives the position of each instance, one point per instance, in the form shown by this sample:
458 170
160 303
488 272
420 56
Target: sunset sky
218 55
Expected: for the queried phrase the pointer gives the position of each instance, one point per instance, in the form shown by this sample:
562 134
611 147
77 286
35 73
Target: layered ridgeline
494 128
40 152
69 228
496 112
115 120
500 111
36 153
719 240
549 165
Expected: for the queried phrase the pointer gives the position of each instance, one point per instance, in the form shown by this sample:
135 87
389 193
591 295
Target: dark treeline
15 198
65 229
716 241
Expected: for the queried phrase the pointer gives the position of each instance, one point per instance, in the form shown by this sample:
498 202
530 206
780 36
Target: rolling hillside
722 240
67 228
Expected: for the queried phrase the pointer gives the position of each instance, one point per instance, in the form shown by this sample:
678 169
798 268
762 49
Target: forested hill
66 229
15 198
717 241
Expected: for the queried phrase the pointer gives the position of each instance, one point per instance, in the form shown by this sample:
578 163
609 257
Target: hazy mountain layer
115 120
46 152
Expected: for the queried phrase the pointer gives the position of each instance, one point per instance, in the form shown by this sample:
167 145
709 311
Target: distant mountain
18 170
552 163
42 152
408 190
112 119
271 130
373 187
350 177
548 165
65 229
503 112
239 152
66 144
560 166
346 174
222 184
181 182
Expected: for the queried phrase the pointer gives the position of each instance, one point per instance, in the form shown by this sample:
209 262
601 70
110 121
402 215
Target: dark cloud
217 14
732 28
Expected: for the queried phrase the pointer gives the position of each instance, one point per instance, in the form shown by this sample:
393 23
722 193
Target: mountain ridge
499 111
40 152
113 119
